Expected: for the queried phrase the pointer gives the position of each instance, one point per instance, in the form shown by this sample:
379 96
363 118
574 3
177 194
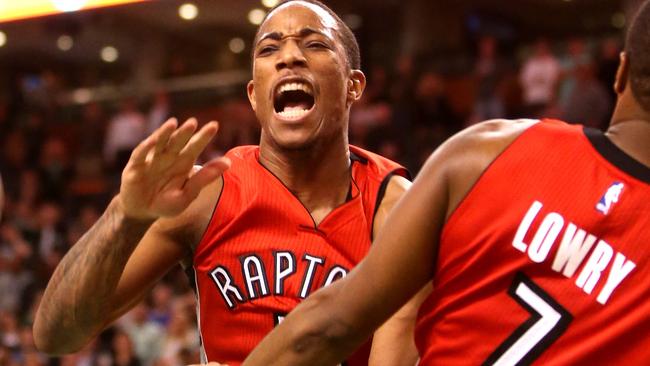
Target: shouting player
289 216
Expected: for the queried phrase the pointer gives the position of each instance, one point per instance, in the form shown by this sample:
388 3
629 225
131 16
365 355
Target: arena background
79 89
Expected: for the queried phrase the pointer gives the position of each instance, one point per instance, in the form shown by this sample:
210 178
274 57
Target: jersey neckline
354 191
616 156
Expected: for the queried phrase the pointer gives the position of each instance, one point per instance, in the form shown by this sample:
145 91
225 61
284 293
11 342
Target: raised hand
159 179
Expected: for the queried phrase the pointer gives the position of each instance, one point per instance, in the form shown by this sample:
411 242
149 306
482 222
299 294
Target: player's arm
107 270
335 320
393 343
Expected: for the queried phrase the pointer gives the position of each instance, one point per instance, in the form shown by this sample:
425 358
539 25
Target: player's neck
629 129
319 176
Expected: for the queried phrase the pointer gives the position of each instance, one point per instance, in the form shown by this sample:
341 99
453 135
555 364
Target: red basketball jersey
262 253
545 261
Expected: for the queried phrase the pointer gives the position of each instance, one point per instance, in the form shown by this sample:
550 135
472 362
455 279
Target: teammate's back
549 243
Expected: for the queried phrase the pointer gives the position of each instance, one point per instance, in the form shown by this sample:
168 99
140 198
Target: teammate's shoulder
496 129
474 148
486 136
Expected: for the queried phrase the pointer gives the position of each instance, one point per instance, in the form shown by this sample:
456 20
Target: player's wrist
128 215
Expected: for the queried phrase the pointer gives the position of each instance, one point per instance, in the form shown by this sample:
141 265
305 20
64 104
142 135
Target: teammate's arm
333 321
393 343
107 271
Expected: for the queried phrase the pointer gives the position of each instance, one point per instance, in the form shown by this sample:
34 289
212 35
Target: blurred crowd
61 164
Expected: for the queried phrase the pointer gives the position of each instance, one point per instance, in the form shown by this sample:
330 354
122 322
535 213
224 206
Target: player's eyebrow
278 36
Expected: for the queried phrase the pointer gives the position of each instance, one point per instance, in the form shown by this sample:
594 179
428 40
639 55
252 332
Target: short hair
346 35
637 49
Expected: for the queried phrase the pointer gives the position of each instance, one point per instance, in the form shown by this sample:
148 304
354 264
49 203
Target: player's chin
295 140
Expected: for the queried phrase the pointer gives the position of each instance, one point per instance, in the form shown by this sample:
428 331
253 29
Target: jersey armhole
381 192
210 222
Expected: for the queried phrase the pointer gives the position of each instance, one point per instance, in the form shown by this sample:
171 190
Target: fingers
163 134
139 154
169 143
204 176
200 140
158 138
181 136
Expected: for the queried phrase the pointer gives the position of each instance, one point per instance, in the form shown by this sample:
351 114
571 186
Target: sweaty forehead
295 16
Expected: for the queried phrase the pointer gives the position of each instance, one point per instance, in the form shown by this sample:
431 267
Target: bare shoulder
397 186
462 159
495 133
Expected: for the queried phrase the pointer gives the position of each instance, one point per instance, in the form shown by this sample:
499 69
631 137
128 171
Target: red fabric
470 312
256 218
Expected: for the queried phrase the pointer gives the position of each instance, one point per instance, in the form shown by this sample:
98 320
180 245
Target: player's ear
250 91
621 74
356 85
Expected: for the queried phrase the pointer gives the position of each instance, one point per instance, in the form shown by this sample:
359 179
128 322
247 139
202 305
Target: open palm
160 180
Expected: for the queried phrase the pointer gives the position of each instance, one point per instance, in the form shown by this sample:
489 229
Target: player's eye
266 50
316 45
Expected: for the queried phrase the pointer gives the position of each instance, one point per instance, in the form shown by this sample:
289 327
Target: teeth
293 112
295 86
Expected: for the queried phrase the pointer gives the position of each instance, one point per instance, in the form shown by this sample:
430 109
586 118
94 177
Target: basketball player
290 216
535 234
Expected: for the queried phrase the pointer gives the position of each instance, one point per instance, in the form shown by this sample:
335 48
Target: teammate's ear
356 85
621 74
250 91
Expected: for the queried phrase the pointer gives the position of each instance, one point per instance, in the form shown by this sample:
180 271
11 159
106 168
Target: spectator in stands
539 76
125 130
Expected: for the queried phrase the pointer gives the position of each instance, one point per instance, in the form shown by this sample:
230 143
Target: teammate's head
305 77
345 34
637 50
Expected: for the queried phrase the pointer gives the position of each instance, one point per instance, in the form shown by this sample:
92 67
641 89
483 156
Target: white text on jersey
256 280
574 246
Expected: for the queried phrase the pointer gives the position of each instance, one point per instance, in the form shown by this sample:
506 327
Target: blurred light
64 42
109 54
3 38
236 45
353 21
69 5
270 3
618 20
188 11
82 96
14 9
256 16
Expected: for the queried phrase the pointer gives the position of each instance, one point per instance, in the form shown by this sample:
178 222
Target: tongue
296 106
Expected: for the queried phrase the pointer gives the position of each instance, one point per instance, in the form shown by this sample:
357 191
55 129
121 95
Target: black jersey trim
191 277
616 156
189 269
212 217
355 157
381 192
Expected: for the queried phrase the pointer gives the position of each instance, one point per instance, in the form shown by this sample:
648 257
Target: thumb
203 176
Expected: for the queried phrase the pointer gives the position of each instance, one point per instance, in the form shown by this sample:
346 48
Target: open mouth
293 100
